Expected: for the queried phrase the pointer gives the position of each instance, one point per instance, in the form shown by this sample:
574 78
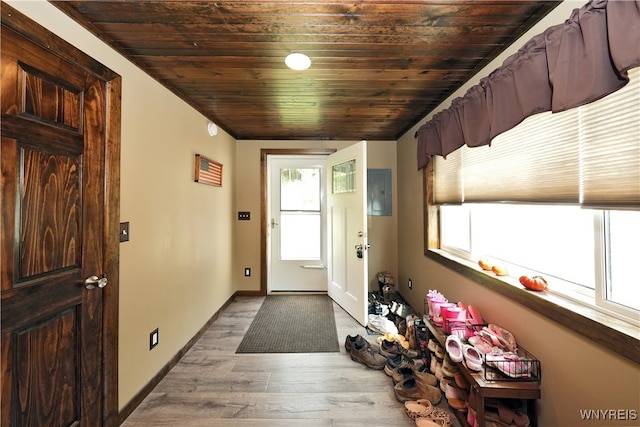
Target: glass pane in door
300 216
300 189
300 236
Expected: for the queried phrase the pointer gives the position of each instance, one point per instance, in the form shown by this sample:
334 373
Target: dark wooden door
52 238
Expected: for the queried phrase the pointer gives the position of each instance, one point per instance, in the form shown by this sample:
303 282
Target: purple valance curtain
570 64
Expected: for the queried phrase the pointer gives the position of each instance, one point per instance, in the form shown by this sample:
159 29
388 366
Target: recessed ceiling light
297 61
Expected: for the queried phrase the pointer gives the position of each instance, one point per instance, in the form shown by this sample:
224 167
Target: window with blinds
588 156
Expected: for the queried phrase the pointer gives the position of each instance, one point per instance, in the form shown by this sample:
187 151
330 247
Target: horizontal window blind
588 155
447 183
611 148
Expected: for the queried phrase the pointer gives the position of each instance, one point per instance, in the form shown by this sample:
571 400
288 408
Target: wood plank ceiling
378 67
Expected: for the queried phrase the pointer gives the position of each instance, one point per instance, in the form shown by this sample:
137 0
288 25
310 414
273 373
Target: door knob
93 281
273 223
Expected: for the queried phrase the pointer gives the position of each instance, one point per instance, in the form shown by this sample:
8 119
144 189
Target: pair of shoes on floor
388 348
411 389
362 341
381 324
400 309
427 415
362 351
399 345
399 361
420 373
379 308
404 348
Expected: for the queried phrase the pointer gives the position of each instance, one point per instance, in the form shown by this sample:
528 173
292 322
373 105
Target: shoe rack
527 391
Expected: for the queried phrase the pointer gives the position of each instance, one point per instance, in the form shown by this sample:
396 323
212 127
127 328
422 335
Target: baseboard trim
142 394
249 294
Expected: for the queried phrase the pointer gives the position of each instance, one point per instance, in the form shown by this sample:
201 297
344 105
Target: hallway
214 386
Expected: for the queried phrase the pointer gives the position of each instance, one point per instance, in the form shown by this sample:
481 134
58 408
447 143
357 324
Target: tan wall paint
381 154
576 373
175 273
383 230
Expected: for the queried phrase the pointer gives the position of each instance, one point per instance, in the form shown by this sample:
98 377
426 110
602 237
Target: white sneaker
381 324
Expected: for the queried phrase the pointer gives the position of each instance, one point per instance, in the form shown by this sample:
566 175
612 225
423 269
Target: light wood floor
214 386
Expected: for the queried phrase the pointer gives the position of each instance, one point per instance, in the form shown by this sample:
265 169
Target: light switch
244 216
124 231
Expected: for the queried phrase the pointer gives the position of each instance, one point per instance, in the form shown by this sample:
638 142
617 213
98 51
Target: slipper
427 422
456 397
454 348
471 417
461 381
480 344
433 365
439 352
517 418
418 408
472 357
438 417
448 368
505 416
444 382
504 335
438 372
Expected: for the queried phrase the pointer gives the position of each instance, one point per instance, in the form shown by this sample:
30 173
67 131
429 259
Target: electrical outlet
410 284
153 339
247 272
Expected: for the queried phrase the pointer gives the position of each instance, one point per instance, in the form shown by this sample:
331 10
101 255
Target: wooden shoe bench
528 391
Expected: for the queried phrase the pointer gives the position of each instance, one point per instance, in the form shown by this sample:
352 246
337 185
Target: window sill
614 334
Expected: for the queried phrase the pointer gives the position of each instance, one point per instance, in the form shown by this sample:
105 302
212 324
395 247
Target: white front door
297 226
347 223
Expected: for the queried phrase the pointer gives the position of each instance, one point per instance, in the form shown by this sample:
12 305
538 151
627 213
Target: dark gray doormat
292 324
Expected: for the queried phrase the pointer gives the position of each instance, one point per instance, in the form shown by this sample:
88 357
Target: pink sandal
499 337
509 364
481 344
